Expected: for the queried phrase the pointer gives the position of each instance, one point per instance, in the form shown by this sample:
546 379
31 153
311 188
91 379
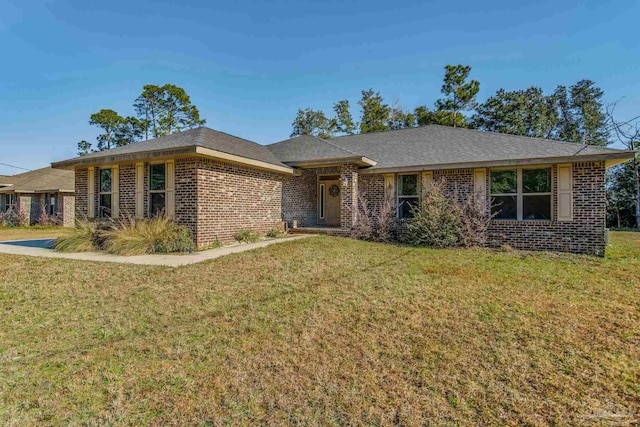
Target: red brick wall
82 179
300 196
231 198
585 234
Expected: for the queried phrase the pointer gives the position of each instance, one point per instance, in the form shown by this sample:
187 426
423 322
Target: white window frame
519 194
150 191
101 193
399 196
321 200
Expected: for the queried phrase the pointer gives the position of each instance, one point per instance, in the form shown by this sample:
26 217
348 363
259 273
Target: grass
325 331
35 232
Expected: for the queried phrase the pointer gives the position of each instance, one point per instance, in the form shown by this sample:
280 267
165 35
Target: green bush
147 236
176 239
246 236
444 221
274 232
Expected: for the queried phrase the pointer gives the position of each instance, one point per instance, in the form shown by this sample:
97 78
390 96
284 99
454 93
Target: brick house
546 195
46 190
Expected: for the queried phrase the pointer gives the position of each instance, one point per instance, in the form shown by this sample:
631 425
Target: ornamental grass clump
133 236
84 237
246 236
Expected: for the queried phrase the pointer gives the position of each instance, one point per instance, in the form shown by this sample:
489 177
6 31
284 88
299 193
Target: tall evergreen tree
375 112
526 112
343 120
109 121
460 94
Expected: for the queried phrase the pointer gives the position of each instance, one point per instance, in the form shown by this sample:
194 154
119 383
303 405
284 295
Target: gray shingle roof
199 137
434 145
42 180
307 147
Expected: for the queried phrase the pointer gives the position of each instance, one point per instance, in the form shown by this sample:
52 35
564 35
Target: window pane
536 207
105 180
105 205
408 185
504 181
505 207
157 180
157 204
536 180
405 205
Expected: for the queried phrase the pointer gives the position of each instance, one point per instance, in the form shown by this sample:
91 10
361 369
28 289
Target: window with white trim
157 188
521 194
106 189
408 194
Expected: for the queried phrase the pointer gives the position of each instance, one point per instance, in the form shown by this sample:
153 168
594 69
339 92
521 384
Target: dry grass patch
35 232
325 331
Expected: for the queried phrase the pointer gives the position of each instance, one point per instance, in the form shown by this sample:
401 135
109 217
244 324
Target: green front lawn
325 331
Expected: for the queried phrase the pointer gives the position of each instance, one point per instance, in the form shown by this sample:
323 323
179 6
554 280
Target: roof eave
119 158
361 161
159 154
610 159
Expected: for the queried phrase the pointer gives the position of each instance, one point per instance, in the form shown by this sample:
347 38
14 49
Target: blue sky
249 65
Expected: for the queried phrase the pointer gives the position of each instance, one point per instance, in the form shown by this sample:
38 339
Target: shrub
246 236
83 238
274 232
13 218
147 236
376 225
47 220
176 239
443 221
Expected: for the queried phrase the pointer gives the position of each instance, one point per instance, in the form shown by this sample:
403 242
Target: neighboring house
28 193
551 194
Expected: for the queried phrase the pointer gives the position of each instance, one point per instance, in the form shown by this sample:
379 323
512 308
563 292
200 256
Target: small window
157 189
322 196
51 204
105 193
408 195
521 194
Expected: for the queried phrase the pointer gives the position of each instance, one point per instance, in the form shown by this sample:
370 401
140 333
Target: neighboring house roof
440 147
45 180
6 180
202 141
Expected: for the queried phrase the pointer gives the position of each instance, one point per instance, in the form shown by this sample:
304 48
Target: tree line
576 113
159 111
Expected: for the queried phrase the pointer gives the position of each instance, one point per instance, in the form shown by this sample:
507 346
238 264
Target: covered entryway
329 200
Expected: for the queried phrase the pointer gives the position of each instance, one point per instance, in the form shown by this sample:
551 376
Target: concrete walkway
43 248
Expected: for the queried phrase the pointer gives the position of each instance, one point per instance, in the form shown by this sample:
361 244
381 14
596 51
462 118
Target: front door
329 201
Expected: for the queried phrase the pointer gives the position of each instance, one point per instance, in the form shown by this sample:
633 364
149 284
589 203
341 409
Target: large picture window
521 194
157 188
105 193
408 195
